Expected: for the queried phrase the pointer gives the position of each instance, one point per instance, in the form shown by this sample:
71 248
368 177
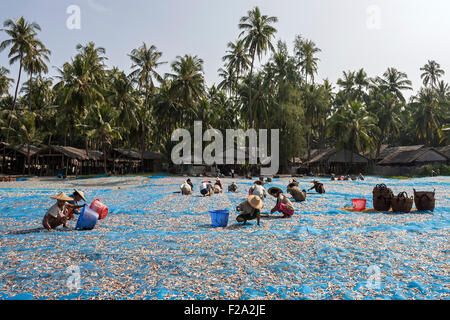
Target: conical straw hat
62 196
255 202
81 193
273 191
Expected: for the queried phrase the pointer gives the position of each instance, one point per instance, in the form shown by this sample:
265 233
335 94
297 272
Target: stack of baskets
382 197
384 200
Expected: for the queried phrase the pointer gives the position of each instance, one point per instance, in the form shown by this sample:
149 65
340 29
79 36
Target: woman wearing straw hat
232 187
297 194
58 214
318 187
218 186
186 188
284 205
206 188
77 196
258 190
250 209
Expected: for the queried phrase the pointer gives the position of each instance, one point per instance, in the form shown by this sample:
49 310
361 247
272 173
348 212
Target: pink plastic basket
359 204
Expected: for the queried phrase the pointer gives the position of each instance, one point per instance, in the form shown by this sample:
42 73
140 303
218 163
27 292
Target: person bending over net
251 209
318 187
58 214
284 205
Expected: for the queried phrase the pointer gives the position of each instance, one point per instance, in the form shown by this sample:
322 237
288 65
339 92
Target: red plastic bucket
100 208
359 204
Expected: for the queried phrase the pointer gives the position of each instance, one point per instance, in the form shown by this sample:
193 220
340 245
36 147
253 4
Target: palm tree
34 62
166 111
443 89
103 128
387 107
81 85
395 82
315 101
353 128
258 31
5 82
229 79
238 60
188 82
26 132
306 61
22 36
121 96
362 83
431 73
347 84
145 62
282 67
428 114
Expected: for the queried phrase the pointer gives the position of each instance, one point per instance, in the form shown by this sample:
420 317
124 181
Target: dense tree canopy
87 105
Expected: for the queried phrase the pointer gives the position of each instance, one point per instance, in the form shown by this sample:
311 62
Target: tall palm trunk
28 159
31 89
104 158
250 91
15 97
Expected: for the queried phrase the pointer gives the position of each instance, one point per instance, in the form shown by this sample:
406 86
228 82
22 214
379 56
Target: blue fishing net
157 244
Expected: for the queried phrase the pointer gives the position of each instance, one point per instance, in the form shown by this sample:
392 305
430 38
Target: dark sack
424 200
382 197
402 203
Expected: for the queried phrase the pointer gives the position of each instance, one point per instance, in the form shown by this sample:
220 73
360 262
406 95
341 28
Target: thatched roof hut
335 156
339 162
75 153
56 158
417 157
125 154
16 156
444 150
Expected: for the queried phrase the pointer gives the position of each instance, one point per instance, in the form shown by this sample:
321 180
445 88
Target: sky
352 34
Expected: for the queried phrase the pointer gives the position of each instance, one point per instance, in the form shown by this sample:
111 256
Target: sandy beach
157 244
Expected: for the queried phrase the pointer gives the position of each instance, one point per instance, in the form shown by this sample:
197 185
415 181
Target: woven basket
424 200
402 203
382 197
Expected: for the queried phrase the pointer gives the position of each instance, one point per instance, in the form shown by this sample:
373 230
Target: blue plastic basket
219 218
87 219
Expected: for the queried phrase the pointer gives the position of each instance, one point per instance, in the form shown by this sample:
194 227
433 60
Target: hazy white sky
373 34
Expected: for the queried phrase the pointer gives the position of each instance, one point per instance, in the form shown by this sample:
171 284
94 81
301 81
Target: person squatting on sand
77 196
232 187
186 188
318 187
58 213
284 205
218 186
292 183
206 188
258 190
251 209
296 193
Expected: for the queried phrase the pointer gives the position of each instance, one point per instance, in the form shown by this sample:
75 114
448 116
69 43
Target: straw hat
62 196
81 193
273 191
255 202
